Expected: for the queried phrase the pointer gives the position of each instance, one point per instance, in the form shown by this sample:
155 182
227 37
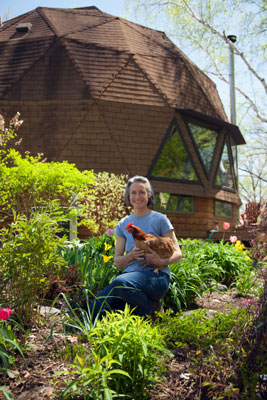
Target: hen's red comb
130 224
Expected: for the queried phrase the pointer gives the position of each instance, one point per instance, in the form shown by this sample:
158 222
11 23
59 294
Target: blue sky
11 8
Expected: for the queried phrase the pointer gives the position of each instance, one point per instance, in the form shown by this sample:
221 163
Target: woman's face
138 196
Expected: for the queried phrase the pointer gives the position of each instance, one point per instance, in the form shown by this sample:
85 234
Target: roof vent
24 27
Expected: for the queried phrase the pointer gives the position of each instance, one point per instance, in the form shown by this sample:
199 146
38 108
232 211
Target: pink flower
226 225
5 313
233 239
110 232
263 270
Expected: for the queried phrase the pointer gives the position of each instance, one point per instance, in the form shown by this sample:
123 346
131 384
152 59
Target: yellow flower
239 246
106 258
107 246
247 258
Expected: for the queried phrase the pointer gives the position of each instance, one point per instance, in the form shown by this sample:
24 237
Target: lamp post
232 38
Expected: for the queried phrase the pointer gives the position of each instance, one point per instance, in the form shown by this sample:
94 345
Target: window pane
224 176
234 154
173 161
205 140
174 203
223 209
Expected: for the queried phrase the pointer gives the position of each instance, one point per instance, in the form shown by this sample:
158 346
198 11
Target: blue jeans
139 289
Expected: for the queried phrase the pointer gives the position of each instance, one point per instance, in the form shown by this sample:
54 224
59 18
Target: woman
138 286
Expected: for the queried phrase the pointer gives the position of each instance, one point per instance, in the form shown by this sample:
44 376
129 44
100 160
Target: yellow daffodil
106 258
107 246
239 246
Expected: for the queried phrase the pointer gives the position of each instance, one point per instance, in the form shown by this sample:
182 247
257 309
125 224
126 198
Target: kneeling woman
138 286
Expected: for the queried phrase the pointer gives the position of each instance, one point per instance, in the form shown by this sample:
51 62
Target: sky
11 8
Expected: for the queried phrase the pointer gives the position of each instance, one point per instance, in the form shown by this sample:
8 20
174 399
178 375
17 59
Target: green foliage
204 264
220 261
6 393
106 208
199 330
9 344
185 285
29 182
28 253
125 341
94 258
94 375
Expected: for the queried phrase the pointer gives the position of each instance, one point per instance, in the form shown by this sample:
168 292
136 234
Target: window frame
234 190
223 202
203 124
167 211
157 155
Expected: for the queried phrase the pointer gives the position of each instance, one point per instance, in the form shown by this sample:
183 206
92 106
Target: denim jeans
139 289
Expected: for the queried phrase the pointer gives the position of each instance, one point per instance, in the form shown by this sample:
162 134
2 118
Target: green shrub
29 182
107 207
28 253
199 330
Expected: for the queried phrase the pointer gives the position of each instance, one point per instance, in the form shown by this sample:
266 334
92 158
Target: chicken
163 246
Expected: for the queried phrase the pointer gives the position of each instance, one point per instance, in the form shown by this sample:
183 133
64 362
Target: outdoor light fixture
232 38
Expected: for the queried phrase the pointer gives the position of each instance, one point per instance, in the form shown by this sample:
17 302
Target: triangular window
205 143
224 176
172 160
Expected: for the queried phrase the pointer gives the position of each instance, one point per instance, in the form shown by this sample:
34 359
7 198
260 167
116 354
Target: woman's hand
137 254
154 258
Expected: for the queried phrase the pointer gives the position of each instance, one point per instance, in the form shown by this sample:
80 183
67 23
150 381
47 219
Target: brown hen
163 246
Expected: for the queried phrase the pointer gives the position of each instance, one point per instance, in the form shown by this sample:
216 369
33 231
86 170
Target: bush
28 253
30 182
106 207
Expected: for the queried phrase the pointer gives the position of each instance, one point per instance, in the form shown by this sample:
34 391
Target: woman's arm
121 260
155 259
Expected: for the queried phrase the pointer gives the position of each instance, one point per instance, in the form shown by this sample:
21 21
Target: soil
34 380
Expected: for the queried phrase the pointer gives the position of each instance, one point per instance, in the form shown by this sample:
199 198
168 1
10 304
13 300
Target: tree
201 29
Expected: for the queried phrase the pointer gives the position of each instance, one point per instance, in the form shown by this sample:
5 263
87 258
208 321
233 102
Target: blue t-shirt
154 223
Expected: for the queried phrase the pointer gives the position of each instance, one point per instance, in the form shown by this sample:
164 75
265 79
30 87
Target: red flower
226 225
5 313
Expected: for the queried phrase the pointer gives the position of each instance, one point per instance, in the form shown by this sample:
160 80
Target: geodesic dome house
111 95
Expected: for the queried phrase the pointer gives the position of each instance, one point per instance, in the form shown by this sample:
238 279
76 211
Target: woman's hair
140 179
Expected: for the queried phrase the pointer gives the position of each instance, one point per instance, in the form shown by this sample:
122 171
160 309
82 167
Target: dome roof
117 60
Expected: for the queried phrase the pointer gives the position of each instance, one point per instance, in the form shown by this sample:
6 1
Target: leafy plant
186 283
8 341
127 357
94 258
94 376
224 261
199 330
28 253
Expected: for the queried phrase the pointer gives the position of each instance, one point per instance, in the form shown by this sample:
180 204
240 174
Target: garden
207 339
